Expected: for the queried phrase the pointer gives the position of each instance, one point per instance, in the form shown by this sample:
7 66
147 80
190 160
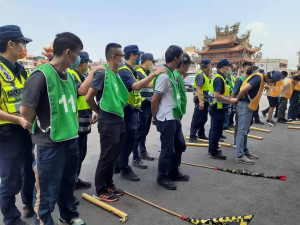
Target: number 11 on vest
63 100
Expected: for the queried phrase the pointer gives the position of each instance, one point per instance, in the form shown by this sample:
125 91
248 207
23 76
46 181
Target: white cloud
257 28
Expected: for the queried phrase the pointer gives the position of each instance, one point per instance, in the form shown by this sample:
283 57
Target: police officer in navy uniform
15 142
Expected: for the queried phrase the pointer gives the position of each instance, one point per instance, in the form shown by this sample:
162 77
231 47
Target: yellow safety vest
205 86
211 91
253 105
11 91
297 86
135 98
81 103
276 89
289 92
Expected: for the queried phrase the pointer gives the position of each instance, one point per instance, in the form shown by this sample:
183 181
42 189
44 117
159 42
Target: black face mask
249 72
179 64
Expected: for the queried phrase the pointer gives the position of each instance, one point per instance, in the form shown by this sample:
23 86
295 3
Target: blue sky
154 25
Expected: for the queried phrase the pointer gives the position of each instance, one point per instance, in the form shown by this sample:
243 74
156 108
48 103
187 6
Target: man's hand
233 101
160 70
99 67
153 121
94 118
267 87
25 124
201 106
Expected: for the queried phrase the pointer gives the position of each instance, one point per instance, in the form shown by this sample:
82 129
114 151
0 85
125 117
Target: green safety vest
135 98
62 97
115 94
81 103
205 86
177 112
146 93
182 93
211 91
11 91
243 78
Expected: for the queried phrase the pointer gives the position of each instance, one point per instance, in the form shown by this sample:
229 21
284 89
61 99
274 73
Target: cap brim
90 61
139 53
25 39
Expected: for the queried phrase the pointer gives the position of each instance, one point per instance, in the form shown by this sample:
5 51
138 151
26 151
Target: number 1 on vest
70 101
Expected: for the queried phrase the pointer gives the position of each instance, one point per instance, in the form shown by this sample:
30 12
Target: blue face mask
76 64
137 62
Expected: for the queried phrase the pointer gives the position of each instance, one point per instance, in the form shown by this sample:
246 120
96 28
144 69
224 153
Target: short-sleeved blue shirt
127 77
237 85
254 81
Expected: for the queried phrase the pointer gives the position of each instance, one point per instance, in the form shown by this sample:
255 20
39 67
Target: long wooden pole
259 129
294 122
207 141
293 127
249 135
107 207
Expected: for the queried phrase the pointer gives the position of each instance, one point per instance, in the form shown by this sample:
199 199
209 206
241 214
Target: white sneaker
251 155
233 145
74 221
244 160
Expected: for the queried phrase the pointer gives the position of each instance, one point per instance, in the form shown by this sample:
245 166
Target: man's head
262 71
205 64
233 68
223 66
273 76
296 78
255 69
247 67
173 56
114 54
186 62
284 74
132 54
12 42
84 62
67 47
147 61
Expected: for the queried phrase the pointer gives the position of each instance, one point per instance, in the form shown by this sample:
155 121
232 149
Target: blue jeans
55 170
244 122
227 114
293 105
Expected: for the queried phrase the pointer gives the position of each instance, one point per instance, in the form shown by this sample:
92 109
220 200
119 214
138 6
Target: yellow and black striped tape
241 220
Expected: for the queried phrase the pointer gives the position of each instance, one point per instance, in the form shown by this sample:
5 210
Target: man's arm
84 87
155 104
222 98
243 91
90 99
144 82
199 95
15 119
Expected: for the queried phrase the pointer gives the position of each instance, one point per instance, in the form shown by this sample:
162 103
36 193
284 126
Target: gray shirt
200 80
167 102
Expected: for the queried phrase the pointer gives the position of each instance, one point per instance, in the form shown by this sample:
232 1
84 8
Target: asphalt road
209 193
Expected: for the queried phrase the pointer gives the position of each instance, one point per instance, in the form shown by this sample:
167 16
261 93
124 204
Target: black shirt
35 95
98 84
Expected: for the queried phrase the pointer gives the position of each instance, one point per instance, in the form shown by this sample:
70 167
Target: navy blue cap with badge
275 75
84 56
148 56
223 62
205 61
12 31
133 49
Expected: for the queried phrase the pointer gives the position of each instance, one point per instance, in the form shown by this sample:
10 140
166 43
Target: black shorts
273 101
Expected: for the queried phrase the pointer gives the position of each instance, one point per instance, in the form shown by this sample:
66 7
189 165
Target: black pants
256 116
172 146
15 171
112 138
199 119
294 101
216 128
143 126
282 106
82 144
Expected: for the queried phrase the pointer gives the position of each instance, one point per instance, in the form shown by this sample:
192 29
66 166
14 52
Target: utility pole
298 53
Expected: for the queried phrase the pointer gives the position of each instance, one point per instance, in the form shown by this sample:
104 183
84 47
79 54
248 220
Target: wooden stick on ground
259 129
294 122
207 141
196 145
249 135
107 207
293 127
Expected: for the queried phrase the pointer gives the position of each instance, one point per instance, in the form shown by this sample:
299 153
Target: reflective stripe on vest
146 93
211 91
11 91
253 105
135 98
81 103
205 86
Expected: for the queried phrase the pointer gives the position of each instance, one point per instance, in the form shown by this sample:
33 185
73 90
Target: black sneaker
178 176
139 164
226 128
193 140
218 156
264 113
107 197
128 174
280 120
19 222
76 201
276 115
28 211
271 123
203 137
74 221
146 156
117 191
82 184
219 152
165 182
223 137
